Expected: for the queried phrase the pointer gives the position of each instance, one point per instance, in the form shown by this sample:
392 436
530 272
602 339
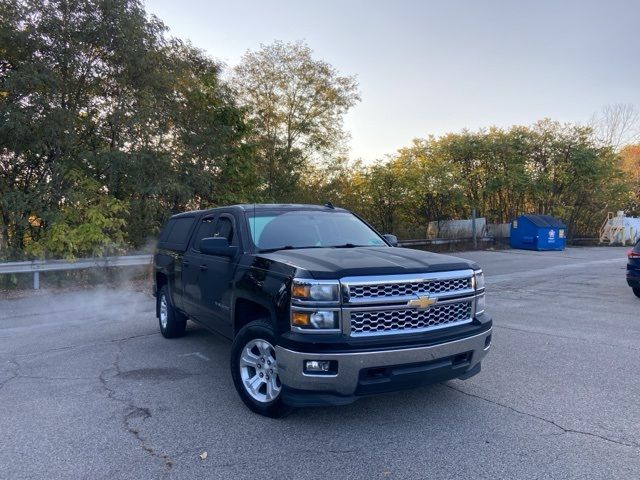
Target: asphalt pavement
89 389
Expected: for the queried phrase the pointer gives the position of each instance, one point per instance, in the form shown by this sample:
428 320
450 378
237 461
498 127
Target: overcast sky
436 67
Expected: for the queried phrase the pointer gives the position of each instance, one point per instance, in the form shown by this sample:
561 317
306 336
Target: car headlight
480 304
478 280
315 320
315 291
315 305
478 283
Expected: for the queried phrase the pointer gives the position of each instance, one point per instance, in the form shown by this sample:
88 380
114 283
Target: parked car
633 269
321 308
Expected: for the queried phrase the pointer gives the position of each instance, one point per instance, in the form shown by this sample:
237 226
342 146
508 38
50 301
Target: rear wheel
254 368
636 290
172 323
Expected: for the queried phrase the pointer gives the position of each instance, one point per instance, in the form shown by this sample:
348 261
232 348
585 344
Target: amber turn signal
300 291
301 319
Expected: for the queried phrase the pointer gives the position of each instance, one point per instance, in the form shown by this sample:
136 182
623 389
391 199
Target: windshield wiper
291 247
286 247
349 245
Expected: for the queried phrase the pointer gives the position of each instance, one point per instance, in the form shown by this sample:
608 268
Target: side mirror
217 246
392 239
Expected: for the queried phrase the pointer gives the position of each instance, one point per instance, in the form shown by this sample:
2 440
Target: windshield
273 230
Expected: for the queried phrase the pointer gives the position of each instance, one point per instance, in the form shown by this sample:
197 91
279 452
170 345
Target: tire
172 323
253 362
636 290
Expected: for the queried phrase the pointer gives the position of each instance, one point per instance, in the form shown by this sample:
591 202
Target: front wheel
636 290
254 369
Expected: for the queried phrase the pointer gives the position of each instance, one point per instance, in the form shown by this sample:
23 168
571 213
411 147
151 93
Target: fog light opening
461 358
378 372
487 342
317 366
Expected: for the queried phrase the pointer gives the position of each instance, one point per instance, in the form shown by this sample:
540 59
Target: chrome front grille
387 304
404 320
403 289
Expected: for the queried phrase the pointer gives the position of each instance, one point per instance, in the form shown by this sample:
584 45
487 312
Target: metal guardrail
441 241
37 266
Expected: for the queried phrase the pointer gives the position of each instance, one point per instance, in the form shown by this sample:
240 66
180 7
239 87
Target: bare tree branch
616 125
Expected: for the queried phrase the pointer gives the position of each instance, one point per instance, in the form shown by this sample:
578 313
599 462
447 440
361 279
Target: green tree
383 195
434 187
295 104
89 223
549 167
97 87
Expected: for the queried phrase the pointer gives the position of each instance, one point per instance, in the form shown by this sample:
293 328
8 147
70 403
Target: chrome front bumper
345 382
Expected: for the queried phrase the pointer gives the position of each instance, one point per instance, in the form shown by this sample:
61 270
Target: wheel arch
247 310
161 280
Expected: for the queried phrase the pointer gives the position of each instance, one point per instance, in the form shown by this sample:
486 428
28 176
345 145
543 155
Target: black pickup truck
320 307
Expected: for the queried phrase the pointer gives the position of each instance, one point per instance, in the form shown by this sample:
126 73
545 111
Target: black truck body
633 268
402 317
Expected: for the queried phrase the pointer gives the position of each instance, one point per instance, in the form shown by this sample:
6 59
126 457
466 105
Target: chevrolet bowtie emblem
422 303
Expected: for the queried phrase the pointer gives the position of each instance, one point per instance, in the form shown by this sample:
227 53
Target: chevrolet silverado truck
321 308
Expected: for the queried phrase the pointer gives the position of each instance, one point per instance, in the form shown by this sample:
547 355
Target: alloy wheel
259 371
164 312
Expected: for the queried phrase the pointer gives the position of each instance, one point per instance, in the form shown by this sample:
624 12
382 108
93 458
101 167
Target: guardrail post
36 280
473 228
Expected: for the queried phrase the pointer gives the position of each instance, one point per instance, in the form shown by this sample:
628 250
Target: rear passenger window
175 235
166 231
180 232
637 247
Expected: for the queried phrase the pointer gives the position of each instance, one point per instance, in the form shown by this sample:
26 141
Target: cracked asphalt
89 389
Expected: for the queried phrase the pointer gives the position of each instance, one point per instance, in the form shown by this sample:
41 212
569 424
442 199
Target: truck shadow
419 404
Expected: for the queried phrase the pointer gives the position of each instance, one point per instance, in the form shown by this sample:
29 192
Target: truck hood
335 263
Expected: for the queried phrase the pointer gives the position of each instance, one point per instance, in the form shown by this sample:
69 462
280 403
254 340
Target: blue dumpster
538 232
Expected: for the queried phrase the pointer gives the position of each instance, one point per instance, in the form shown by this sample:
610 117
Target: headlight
315 305
480 304
478 280
315 291
318 320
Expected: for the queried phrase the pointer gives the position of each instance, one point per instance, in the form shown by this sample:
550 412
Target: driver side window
224 229
206 229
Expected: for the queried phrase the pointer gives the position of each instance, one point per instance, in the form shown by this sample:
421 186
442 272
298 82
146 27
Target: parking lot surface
89 389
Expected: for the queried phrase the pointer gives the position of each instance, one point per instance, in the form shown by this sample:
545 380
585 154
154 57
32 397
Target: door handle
203 268
185 264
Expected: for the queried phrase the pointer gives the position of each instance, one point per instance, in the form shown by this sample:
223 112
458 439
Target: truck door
192 268
216 277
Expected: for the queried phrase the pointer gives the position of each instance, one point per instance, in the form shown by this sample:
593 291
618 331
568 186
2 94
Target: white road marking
196 354
555 269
